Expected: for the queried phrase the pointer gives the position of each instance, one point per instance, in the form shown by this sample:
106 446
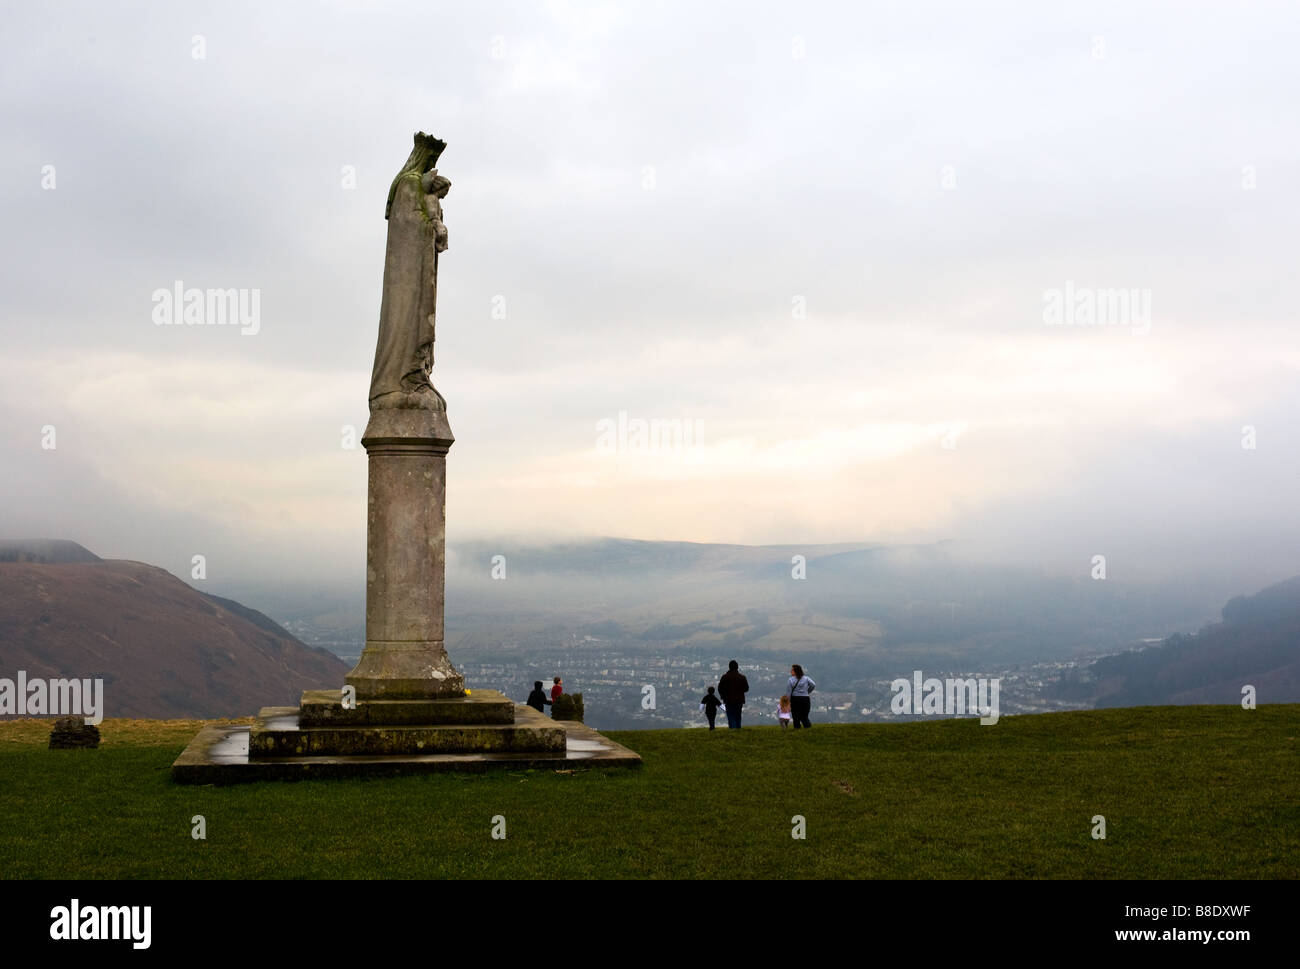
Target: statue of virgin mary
416 234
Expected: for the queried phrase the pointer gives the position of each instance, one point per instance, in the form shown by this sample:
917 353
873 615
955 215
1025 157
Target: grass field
1187 792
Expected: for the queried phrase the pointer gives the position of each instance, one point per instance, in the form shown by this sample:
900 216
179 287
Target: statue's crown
435 146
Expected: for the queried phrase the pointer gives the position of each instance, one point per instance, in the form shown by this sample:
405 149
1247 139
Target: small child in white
783 712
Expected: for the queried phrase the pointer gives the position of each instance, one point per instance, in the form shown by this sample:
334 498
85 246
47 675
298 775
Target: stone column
406 540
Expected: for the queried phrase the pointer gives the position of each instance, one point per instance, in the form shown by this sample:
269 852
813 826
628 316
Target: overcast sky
828 236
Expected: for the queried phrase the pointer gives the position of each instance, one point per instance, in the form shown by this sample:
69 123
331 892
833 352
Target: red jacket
556 690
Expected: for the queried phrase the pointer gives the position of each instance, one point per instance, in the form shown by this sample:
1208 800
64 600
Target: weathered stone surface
404 656
407 311
73 733
219 755
324 708
406 442
278 733
404 429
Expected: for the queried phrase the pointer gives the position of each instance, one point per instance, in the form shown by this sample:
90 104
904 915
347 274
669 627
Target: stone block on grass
73 733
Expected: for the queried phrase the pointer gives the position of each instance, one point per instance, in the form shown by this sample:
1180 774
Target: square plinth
324 708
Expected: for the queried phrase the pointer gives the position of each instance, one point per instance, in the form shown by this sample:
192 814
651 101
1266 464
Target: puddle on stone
231 748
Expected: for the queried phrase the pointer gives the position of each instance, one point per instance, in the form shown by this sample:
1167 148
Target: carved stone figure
416 234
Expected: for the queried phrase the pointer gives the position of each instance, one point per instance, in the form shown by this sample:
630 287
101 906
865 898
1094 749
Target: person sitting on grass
709 703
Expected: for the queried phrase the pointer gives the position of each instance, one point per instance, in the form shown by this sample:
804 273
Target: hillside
1187 792
50 551
1257 643
162 648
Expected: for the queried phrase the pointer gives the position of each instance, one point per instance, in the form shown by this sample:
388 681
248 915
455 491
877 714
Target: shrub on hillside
567 706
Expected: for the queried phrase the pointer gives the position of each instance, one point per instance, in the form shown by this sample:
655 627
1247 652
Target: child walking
783 711
709 703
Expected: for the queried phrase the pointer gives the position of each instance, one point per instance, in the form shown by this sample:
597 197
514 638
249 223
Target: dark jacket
711 701
537 700
732 687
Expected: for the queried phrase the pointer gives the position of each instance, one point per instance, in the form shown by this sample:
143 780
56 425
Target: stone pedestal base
323 738
396 671
322 726
280 732
219 755
404 656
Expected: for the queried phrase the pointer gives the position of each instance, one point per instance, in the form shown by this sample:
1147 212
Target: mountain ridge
163 649
1257 643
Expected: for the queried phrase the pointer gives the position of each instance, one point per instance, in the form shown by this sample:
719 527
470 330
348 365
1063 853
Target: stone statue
406 442
416 234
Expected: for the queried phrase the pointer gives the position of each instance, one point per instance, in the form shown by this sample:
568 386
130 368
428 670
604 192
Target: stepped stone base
279 732
323 738
220 755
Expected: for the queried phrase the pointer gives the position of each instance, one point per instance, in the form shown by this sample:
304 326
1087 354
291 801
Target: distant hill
163 649
638 559
877 608
1257 643
50 551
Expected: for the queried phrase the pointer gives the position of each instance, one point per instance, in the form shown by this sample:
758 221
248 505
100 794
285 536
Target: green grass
1187 792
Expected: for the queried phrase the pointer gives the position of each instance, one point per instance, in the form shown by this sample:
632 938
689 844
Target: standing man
732 687
557 689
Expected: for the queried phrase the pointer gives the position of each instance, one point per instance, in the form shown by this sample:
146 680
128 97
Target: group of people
537 699
793 707
732 686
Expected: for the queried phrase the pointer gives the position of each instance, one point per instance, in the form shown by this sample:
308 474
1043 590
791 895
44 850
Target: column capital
408 428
